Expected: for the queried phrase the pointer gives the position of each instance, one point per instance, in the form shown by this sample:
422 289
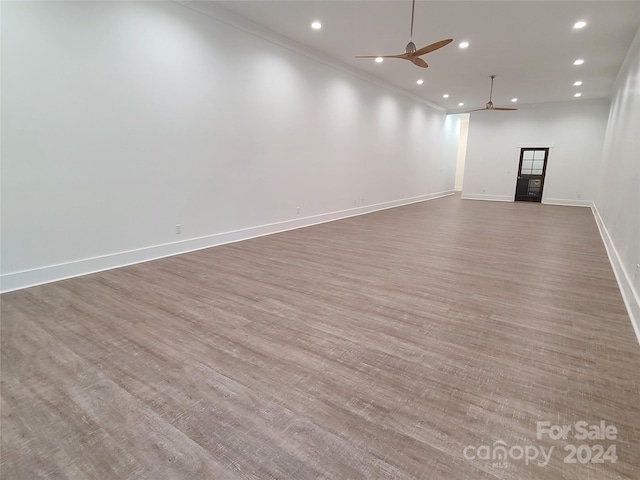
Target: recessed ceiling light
420 82
379 59
580 24
577 84
316 25
577 94
578 62
464 45
514 99
461 104
446 95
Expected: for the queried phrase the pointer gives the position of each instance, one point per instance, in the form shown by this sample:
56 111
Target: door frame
543 176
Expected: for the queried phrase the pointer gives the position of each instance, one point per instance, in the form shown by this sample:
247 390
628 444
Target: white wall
463 134
575 131
617 201
123 119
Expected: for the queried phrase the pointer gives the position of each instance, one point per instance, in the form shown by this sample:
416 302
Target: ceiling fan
489 104
410 52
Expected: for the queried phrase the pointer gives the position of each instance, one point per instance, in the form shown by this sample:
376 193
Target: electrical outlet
579 196
637 269
298 211
178 229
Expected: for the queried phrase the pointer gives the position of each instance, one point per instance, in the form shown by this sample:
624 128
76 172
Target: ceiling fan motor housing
410 48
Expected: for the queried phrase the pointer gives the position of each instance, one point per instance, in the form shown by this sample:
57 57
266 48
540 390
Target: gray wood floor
373 347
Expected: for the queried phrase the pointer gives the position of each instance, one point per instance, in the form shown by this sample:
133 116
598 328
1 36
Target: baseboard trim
629 295
505 198
567 203
490 198
53 273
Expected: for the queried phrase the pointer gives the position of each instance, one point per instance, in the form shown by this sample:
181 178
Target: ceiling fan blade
402 55
503 108
418 61
476 110
432 47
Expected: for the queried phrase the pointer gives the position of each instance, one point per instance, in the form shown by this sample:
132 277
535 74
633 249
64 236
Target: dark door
533 165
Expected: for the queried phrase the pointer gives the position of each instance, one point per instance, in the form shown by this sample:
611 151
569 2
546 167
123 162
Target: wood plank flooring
376 347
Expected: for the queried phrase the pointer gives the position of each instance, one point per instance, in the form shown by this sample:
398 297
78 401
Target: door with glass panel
533 165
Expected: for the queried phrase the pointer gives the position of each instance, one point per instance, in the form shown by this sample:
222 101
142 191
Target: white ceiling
529 45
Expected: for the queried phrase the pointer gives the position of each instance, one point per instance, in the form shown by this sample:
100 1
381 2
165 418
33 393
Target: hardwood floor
379 346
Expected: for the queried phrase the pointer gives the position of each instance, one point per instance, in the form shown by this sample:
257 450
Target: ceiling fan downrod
491 91
411 47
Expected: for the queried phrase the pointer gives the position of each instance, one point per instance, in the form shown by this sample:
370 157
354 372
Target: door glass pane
539 155
537 167
527 155
534 188
527 165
